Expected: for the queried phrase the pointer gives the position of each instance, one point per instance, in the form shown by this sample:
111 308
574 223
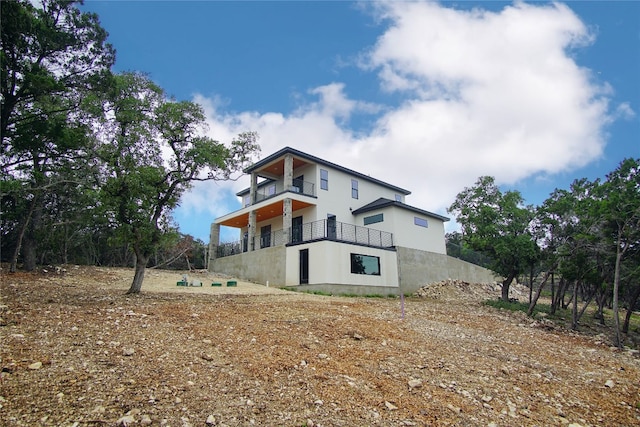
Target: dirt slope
76 351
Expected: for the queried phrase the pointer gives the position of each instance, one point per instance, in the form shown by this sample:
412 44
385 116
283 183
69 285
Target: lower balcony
313 231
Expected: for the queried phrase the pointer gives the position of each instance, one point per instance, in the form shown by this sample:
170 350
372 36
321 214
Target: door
265 236
296 229
298 184
304 266
331 227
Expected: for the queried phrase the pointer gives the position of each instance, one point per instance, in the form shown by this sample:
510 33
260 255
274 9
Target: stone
390 406
146 420
128 352
211 420
415 384
126 421
35 365
609 384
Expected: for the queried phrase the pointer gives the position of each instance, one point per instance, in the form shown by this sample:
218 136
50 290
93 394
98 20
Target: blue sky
425 96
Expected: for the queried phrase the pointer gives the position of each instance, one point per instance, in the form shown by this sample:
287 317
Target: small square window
399 198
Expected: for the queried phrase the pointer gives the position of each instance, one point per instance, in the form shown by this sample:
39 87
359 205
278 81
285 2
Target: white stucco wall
330 263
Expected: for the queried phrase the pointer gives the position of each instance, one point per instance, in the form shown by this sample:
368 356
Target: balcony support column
287 216
288 172
253 189
252 231
214 242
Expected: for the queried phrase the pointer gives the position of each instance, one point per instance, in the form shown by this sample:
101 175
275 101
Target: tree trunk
23 229
141 265
505 286
574 312
616 290
632 304
534 301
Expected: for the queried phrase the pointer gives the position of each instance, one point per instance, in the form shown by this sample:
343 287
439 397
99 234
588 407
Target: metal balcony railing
312 231
275 188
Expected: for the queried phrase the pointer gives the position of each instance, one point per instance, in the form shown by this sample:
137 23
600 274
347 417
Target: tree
497 225
52 56
153 151
620 210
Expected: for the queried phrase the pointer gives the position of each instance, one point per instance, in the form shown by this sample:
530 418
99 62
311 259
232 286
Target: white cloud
485 93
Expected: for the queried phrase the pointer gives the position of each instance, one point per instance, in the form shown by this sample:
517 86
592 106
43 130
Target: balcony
272 189
313 231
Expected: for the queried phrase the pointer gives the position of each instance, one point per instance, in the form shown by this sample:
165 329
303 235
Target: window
354 188
421 222
365 264
373 219
324 179
245 200
399 198
271 190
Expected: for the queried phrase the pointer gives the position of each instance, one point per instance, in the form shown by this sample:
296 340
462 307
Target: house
313 224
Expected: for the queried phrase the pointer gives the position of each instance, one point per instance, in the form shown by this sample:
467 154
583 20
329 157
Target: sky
427 96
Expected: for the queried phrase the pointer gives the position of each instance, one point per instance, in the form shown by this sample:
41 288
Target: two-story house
311 223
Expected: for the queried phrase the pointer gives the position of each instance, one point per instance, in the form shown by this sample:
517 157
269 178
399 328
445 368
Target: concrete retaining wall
260 266
417 268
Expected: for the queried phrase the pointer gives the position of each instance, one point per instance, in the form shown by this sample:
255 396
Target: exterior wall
418 268
330 263
338 201
400 222
258 266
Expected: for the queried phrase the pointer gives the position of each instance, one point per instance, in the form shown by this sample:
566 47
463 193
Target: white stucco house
310 223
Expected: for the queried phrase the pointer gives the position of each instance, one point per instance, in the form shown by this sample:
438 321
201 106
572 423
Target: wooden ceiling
263 213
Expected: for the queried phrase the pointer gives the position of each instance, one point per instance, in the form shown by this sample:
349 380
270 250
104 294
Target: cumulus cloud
483 93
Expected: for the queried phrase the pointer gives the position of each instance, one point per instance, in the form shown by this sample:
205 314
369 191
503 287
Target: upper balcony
275 188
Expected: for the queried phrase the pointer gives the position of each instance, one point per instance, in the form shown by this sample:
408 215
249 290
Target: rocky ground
76 351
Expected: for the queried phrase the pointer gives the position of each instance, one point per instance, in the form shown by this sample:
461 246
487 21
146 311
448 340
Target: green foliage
497 225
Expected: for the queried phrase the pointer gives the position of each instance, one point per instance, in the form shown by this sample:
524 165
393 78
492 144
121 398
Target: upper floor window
271 190
246 200
324 179
399 198
373 219
354 188
421 222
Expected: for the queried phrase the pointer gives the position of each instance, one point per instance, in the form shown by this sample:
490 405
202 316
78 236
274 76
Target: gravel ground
77 351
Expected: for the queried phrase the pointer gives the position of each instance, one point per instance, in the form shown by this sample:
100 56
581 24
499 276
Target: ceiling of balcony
276 169
264 213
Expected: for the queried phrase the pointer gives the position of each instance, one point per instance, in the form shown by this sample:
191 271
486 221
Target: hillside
77 351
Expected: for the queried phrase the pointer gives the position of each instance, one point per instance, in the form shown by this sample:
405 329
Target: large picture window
365 264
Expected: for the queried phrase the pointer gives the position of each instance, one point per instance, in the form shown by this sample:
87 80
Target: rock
323 356
126 421
128 351
609 384
415 384
454 409
211 420
35 365
390 406
146 420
